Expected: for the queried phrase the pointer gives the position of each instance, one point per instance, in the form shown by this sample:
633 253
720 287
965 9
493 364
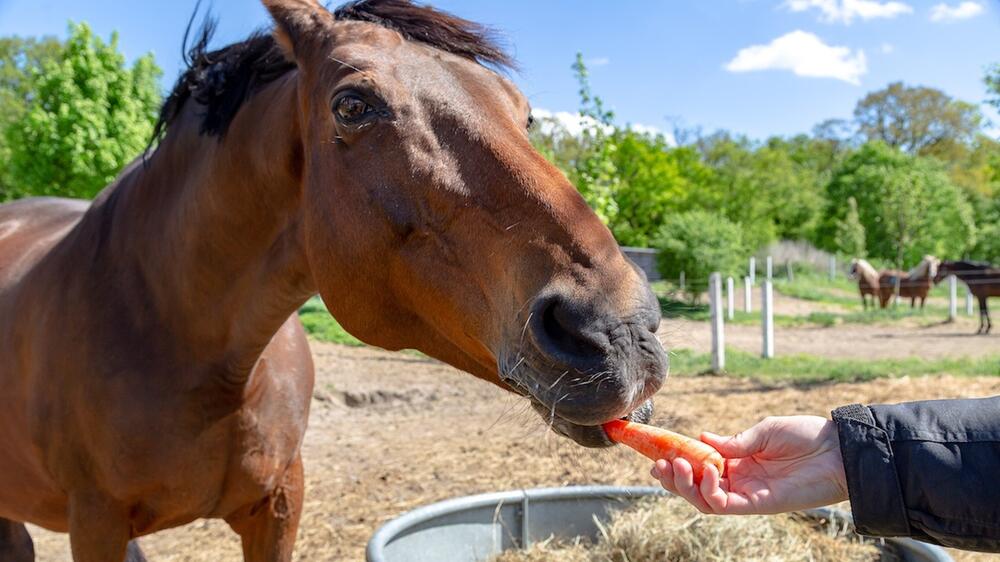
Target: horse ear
298 24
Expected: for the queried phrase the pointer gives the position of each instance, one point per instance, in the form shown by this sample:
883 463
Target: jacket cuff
872 481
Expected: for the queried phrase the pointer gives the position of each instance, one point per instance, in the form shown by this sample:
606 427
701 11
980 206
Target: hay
659 529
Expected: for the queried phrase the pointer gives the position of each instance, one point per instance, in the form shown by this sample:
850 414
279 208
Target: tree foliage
992 80
20 59
88 115
699 243
849 236
907 205
912 174
916 119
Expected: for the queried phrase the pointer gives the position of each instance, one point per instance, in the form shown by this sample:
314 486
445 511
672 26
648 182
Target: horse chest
237 457
178 453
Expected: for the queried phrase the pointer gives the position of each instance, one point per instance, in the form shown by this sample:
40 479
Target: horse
154 371
915 283
983 281
867 277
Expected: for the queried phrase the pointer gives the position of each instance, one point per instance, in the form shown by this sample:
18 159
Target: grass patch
810 368
672 308
320 325
815 293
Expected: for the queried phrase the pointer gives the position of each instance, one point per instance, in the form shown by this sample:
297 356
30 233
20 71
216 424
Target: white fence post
730 298
833 268
952 298
753 270
968 301
769 267
767 317
790 271
747 294
718 333
682 282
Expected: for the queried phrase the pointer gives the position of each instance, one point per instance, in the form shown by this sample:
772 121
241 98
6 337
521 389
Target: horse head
432 223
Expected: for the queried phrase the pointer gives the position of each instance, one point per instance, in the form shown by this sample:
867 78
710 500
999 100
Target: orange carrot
657 443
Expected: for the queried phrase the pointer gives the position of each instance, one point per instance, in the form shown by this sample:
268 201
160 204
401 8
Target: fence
717 306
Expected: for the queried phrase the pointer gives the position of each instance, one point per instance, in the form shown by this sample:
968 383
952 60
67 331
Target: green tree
654 180
20 59
850 233
699 243
992 80
89 115
916 119
908 206
772 190
594 172
733 191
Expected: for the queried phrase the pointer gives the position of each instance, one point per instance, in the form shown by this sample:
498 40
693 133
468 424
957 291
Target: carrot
657 443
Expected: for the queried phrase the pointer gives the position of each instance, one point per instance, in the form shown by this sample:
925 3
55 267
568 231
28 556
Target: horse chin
591 436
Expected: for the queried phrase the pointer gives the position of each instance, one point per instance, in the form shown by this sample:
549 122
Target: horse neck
212 225
920 271
866 271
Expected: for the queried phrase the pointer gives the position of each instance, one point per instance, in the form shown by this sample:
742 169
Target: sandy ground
896 339
418 431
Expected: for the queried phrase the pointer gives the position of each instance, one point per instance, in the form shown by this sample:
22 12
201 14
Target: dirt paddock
392 431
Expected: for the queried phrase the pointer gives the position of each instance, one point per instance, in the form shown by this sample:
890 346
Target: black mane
222 80
968 264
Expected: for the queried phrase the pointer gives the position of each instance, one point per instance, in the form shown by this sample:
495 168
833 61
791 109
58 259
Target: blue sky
757 67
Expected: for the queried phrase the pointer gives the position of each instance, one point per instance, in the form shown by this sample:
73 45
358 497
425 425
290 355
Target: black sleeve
928 470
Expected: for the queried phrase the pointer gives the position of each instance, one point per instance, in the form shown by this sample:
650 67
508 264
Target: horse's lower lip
592 436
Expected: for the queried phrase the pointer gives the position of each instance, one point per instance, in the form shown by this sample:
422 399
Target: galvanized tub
474 528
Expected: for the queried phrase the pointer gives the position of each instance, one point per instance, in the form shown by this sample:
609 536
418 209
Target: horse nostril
568 331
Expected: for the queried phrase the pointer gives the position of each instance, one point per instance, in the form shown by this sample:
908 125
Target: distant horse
915 283
983 280
867 277
153 370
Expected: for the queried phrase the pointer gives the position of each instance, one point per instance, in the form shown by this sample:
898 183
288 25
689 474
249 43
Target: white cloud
887 48
945 13
645 129
598 61
572 124
805 55
845 11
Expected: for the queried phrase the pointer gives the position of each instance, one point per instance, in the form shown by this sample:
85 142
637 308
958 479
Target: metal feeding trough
474 528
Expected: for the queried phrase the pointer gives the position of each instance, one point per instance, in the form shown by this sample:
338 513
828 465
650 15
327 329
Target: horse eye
531 121
350 109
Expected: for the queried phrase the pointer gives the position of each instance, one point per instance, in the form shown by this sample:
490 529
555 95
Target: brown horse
153 369
914 284
867 277
983 280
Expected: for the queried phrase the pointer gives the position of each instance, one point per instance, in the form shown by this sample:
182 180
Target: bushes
699 243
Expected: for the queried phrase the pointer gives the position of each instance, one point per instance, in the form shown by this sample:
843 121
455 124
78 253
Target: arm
930 470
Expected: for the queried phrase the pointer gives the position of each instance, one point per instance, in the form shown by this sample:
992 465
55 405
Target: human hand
781 464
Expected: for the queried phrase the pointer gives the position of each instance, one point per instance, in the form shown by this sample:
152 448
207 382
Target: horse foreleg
15 542
99 529
985 312
268 527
